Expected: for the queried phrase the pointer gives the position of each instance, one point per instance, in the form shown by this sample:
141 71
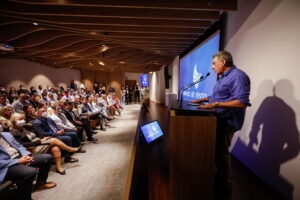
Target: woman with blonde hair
5 114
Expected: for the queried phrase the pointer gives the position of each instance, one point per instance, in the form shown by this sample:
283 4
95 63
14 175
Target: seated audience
77 102
19 165
12 89
39 91
111 105
62 122
78 122
32 90
69 132
116 101
33 100
72 96
102 102
86 109
100 107
54 93
51 98
12 97
45 126
18 105
44 145
3 99
21 90
44 98
6 113
30 114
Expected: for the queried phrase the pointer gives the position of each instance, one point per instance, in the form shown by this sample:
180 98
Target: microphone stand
190 85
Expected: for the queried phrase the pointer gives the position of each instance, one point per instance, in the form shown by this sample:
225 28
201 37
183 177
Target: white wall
157 86
154 82
133 76
264 39
14 72
175 75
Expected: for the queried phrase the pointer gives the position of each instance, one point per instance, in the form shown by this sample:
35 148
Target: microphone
190 85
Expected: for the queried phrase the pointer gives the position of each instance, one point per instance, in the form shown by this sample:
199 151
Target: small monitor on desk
151 131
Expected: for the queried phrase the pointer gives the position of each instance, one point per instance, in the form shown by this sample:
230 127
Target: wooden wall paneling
89 78
102 77
116 80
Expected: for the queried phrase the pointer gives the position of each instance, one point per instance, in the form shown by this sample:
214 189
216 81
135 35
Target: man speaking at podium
230 98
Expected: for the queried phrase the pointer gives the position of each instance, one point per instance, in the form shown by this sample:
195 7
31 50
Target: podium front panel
192 149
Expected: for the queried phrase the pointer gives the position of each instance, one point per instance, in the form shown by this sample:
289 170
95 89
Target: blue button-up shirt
233 85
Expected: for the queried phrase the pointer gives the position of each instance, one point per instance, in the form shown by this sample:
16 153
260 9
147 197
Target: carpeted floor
101 172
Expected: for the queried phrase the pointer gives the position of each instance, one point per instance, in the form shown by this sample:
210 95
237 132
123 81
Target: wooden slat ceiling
133 36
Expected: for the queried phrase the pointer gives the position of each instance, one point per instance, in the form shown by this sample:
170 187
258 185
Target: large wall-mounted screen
197 63
144 80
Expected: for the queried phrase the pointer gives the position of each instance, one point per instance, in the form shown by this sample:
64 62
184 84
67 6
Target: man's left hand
207 106
61 132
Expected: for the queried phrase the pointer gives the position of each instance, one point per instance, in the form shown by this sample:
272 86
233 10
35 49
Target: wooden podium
192 152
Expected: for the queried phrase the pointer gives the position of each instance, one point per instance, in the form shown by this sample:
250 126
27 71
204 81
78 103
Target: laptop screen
151 131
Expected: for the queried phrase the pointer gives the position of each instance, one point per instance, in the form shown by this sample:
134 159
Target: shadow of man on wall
279 138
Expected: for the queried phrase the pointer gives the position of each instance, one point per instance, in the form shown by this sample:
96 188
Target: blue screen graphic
151 131
196 64
144 80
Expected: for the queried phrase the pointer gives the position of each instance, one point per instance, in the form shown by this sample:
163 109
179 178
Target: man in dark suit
46 126
78 122
17 164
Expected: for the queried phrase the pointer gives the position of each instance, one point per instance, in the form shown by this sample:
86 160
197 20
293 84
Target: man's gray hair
226 56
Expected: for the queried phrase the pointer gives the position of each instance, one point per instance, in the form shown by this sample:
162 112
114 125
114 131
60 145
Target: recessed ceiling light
104 48
101 63
34 23
122 62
